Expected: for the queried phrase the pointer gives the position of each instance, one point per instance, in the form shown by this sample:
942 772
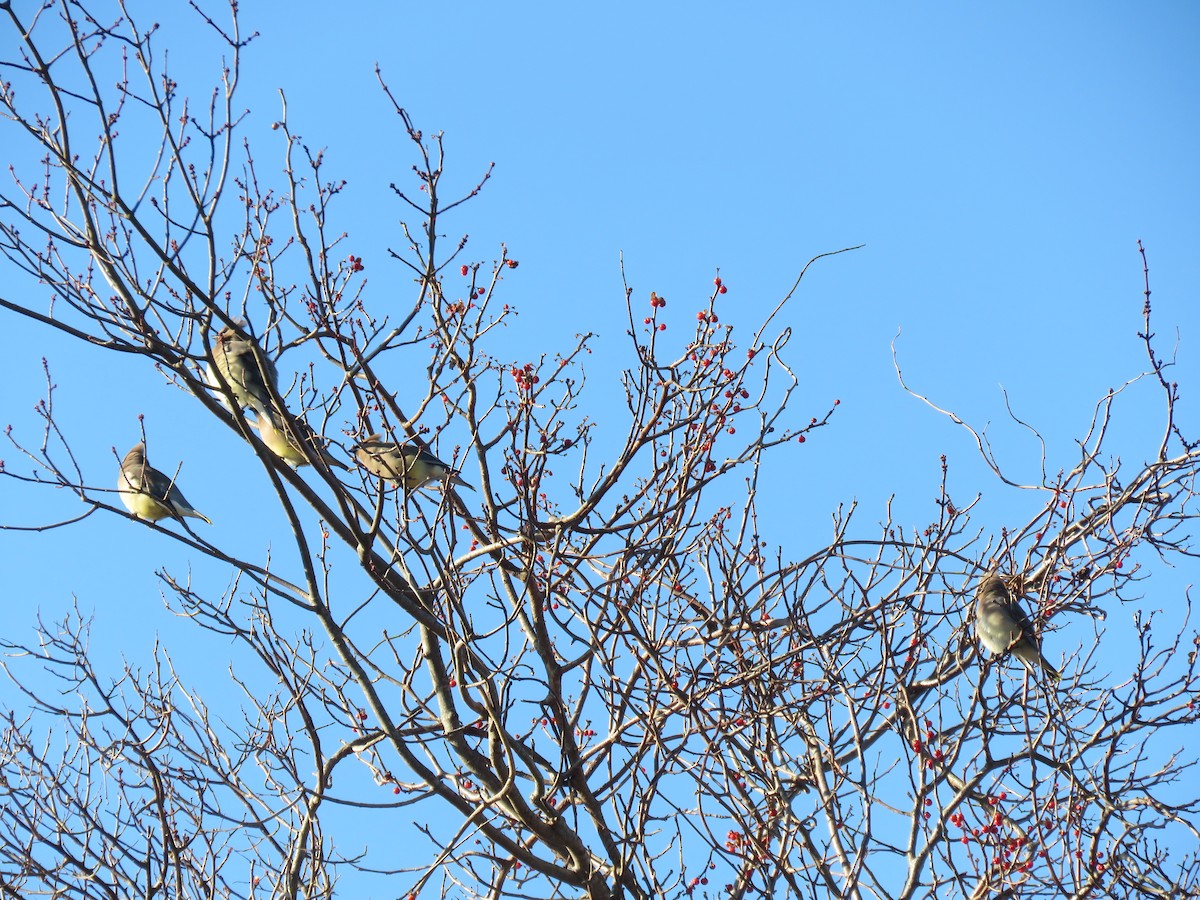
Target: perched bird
1002 625
148 493
234 357
407 463
292 440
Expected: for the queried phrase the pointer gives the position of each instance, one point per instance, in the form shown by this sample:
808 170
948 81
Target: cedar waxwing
413 465
291 438
148 493
1003 626
233 355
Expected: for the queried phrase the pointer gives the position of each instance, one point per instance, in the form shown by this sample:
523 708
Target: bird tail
1054 674
196 514
330 460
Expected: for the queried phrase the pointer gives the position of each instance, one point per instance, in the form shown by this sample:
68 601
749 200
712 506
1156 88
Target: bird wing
250 381
1021 619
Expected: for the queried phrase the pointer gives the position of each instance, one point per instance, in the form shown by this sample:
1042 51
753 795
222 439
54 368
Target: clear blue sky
999 163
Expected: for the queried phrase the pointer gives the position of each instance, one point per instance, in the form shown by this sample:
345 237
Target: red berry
463 270
722 289
512 263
